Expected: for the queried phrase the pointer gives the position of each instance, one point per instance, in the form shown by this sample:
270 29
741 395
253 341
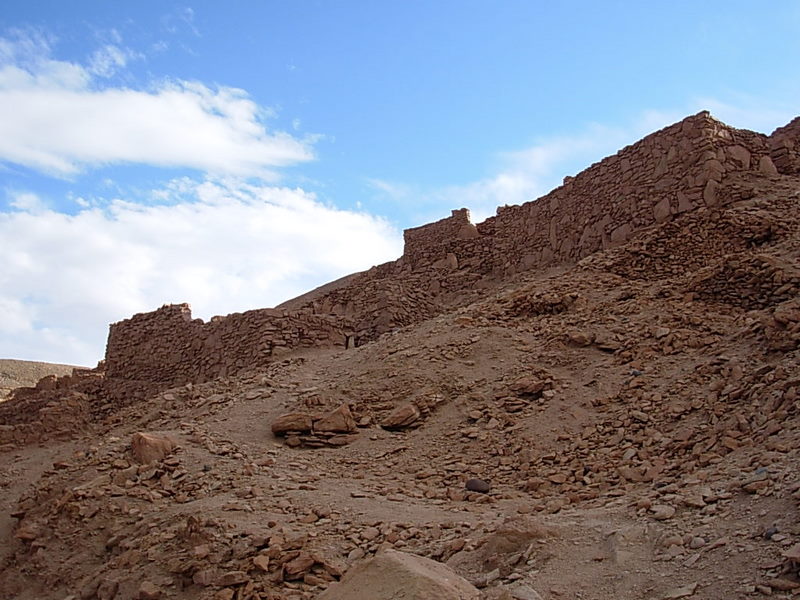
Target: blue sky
233 155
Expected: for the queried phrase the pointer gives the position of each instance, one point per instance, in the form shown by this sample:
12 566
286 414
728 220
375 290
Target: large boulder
393 575
149 448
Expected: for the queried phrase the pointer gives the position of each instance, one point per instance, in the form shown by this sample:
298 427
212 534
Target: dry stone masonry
689 165
693 165
638 409
168 347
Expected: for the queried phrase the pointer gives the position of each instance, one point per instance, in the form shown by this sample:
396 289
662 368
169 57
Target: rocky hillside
624 426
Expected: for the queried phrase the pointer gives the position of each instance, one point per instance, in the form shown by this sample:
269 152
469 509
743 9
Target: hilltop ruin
595 394
696 164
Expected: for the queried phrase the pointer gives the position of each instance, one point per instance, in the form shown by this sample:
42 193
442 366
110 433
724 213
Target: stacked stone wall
785 148
698 162
424 245
683 167
675 170
680 168
167 347
376 305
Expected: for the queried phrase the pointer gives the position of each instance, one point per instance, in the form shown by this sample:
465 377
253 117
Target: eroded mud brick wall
169 348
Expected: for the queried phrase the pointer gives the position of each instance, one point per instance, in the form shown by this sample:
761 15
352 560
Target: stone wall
785 148
680 168
167 347
688 165
677 169
424 245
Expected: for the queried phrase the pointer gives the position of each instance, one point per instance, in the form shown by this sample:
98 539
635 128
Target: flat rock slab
393 575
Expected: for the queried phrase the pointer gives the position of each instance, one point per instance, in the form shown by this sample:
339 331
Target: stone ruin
697 163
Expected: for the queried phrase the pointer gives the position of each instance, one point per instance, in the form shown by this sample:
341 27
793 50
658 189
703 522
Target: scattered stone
696 542
521 591
782 584
262 562
528 386
680 592
370 533
231 578
297 567
792 553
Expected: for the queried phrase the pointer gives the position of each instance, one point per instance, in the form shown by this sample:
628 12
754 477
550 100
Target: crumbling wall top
422 243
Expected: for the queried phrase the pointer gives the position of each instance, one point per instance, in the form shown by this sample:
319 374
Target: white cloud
27 202
223 245
108 59
55 118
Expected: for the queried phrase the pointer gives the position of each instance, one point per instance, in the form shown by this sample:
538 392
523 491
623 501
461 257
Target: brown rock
528 386
478 485
297 567
294 441
793 553
391 575
27 532
370 533
205 577
756 486
402 417
149 448
520 591
262 562
662 211
107 590
683 591
297 422
710 193
231 578
580 338
149 591
662 512
783 585
767 167
338 421
741 155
